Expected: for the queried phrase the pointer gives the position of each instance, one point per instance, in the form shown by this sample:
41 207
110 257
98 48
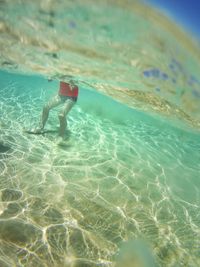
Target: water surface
129 170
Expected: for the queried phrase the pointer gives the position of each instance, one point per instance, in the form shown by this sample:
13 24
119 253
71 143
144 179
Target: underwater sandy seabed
130 167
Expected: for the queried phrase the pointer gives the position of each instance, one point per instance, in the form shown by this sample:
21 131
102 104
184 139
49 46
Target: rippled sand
121 48
119 177
130 167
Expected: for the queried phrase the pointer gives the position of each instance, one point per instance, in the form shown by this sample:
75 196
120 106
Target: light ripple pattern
122 175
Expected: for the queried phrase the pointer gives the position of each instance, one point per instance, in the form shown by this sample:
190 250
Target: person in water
67 96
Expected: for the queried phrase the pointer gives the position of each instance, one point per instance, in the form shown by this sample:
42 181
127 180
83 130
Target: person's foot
60 141
37 130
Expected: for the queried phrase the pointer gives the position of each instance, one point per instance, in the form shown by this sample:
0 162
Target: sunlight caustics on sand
119 177
129 170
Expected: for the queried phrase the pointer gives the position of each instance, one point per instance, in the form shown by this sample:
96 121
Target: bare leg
62 116
54 102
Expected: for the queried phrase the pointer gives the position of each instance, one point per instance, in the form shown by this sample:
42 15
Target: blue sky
185 12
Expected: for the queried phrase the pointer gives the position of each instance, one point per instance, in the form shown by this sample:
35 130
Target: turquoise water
124 189
122 175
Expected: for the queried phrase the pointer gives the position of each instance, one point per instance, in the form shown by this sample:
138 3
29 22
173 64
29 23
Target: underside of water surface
124 189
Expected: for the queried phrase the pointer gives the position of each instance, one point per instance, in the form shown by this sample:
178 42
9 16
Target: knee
61 116
46 108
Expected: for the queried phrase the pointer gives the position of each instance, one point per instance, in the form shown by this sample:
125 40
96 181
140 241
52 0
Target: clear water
124 190
122 175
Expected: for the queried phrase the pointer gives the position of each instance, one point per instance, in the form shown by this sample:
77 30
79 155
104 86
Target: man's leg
54 102
62 116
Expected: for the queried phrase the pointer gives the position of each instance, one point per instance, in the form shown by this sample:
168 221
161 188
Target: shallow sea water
124 190
122 175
